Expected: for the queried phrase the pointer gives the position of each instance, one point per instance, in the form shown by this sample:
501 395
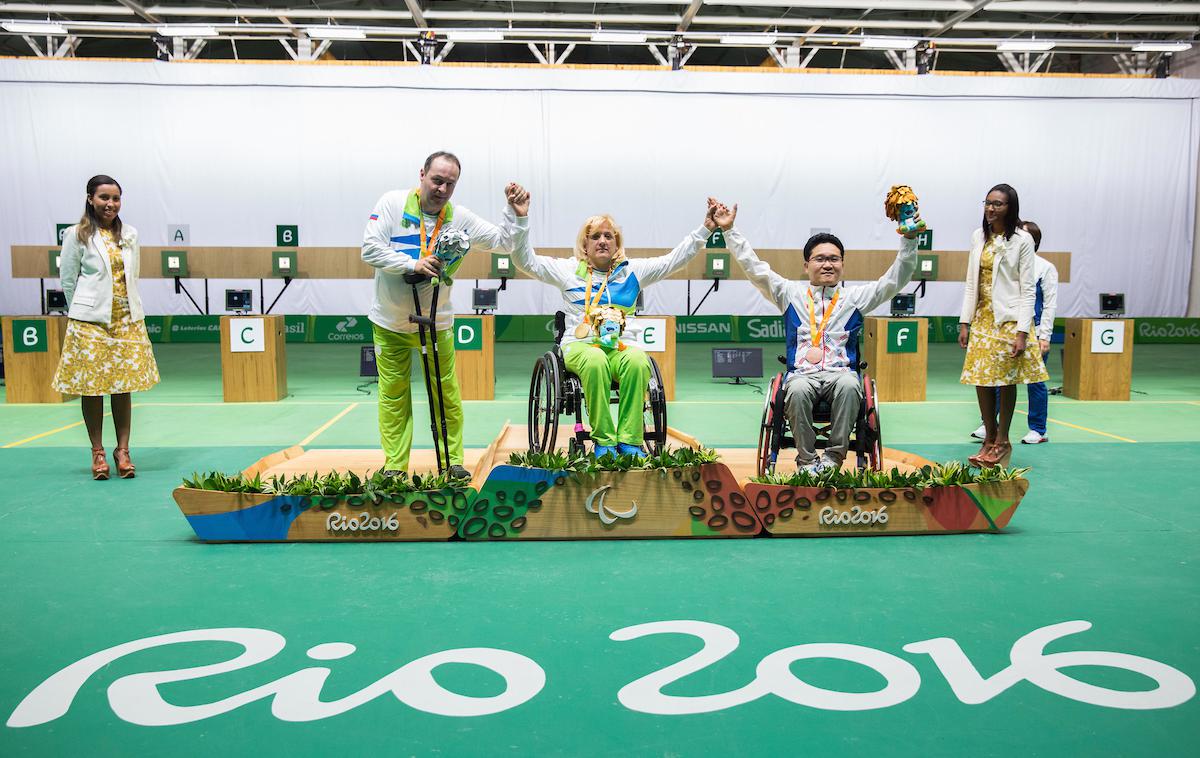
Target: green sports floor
1109 534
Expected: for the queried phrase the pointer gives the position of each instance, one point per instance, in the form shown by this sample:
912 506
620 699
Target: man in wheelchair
822 319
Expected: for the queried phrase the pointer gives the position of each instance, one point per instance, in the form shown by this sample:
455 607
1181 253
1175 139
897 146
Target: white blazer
1013 285
87 278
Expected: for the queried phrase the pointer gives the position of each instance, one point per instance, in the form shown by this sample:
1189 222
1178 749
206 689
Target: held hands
1018 345
518 197
720 214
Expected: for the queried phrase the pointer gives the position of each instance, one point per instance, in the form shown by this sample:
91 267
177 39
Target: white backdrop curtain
1106 166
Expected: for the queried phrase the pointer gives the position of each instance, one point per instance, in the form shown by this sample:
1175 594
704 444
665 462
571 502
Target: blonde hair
592 224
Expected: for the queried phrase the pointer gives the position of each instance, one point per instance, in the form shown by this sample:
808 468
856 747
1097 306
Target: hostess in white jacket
1013 283
87 278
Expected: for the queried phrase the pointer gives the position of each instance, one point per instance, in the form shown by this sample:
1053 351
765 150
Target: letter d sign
468 333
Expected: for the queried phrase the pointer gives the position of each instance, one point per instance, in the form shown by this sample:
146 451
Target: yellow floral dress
989 361
99 359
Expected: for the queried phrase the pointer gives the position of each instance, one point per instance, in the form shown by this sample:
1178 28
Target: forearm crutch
441 445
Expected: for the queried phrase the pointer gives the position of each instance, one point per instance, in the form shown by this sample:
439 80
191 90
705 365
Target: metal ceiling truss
913 33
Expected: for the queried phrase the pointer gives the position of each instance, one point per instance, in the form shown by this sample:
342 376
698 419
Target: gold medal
813 355
581 331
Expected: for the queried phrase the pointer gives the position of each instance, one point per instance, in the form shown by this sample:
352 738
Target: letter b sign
29 336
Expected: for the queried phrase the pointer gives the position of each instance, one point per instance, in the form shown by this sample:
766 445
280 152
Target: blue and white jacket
839 348
628 278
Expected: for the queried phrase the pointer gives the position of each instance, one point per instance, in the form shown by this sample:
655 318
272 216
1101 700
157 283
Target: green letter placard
927 268
287 235
902 337
468 333
174 263
716 266
54 256
29 335
283 263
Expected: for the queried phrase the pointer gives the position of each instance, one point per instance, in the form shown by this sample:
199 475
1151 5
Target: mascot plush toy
901 207
607 325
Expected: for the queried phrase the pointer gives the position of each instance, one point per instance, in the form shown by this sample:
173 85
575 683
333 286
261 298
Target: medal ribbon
819 331
427 245
588 303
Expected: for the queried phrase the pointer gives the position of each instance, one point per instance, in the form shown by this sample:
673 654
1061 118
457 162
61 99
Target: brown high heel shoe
998 454
125 467
983 449
99 464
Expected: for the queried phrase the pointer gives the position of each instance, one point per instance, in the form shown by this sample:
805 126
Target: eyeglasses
994 204
821 259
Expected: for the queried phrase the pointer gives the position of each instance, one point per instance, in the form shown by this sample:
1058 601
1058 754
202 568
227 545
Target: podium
32 345
475 357
897 354
1098 358
253 358
655 335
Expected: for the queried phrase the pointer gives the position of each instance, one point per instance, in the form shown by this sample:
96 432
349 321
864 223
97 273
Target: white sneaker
1034 438
980 433
814 468
827 462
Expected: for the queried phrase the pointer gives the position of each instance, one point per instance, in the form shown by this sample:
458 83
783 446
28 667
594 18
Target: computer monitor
737 363
904 304
367 367
56 301
1112 304
239 300
485 299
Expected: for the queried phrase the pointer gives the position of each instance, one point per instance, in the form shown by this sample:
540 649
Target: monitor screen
366 362
733 363
56 300
484 299
238 300
904 304
1112 302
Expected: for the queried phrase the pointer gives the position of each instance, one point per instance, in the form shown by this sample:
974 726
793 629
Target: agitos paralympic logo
296 697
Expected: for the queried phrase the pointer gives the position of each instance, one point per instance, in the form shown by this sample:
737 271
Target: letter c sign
246 335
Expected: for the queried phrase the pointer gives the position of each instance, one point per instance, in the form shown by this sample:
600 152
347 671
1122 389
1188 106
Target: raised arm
898 274
377 249
651 270
773 286
553 271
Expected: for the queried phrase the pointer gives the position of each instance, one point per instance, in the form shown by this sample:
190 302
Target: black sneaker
458 472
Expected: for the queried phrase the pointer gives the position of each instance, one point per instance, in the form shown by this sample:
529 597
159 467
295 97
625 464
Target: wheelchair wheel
544 401
654 416
874 436
769 432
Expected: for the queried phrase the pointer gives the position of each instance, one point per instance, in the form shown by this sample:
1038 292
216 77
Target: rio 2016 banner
298 696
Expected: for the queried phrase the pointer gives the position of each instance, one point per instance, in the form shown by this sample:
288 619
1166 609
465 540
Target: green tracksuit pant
393 357
596 369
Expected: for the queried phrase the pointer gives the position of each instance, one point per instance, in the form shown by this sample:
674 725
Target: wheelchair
866 439
554 391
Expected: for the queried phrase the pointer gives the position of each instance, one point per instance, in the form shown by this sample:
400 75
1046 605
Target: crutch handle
421 320
415 278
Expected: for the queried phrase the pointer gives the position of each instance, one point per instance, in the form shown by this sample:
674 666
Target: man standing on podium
399 240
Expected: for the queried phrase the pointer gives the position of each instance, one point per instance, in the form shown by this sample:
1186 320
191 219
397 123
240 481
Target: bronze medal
813 355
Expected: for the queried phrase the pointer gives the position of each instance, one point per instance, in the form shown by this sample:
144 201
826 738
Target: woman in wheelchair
822 319
599 285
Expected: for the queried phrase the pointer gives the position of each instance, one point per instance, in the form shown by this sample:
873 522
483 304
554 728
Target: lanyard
818 331
588 303
426 245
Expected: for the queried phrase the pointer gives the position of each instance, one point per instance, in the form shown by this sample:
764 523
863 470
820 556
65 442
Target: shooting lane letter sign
902 336
1108 336
650 334
246 335
468 333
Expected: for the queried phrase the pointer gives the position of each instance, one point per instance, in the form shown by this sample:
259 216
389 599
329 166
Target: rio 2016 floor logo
297 697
